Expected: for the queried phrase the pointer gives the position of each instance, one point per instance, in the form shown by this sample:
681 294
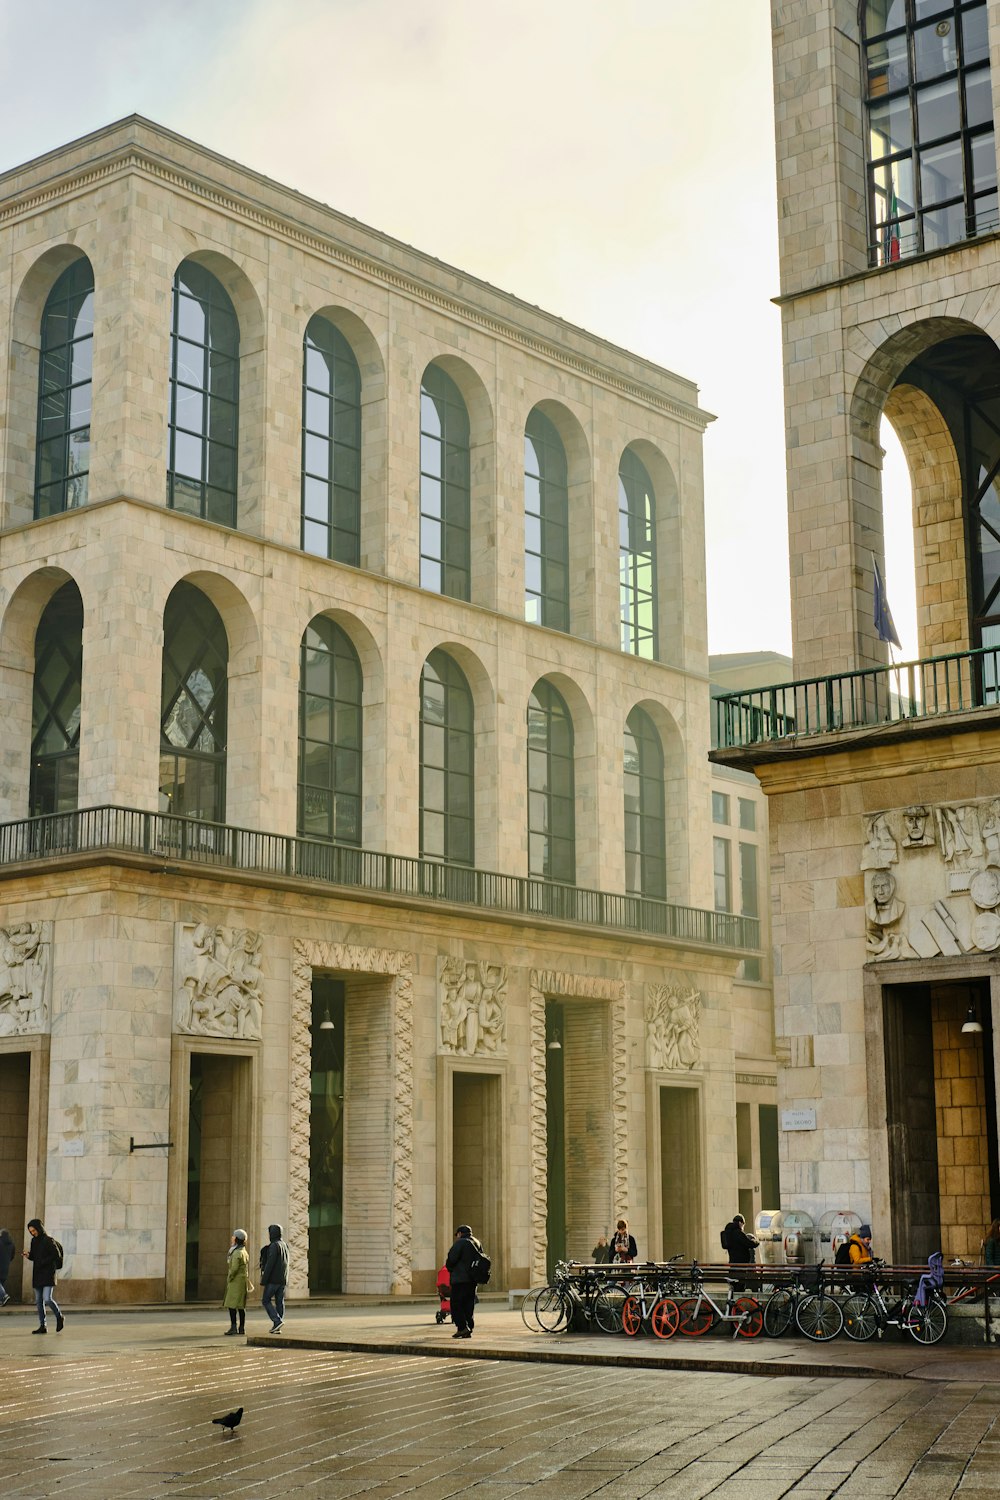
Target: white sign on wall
798 1119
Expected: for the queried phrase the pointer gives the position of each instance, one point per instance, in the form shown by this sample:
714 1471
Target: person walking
237 1283
991 1245
623 1247
465 1248
274 1276
45 1256
7 1252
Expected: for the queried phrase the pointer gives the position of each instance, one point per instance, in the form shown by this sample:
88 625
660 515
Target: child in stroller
444 1295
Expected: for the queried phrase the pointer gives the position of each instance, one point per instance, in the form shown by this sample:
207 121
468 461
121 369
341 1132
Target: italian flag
890 231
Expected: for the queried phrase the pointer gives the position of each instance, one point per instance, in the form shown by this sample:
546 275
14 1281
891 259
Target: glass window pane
978 98
944 226
984 163
189 408
889 123
317 413
884 15
315 538
748 814
888 66
187 455
316 499
935 50
192 321
975 36
430 456
941 173
937 110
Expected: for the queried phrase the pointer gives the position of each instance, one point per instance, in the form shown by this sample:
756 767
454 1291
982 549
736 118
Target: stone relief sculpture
24 971
942 903
473 1006
218 989
672 1016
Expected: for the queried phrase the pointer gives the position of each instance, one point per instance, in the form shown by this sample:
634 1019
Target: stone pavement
120 1404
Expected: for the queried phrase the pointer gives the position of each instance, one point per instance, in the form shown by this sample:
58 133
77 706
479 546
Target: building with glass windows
355 817
883 780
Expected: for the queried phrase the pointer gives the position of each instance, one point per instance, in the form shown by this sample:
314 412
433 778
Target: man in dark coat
43 1256
463 1252
742 1247
274 1276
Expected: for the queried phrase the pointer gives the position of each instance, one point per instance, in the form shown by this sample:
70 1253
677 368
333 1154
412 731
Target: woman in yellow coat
237 1283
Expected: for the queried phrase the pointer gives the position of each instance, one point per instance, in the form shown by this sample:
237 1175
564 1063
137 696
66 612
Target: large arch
482 471
675 796
18 626
668 542
487 809
23 374
580 505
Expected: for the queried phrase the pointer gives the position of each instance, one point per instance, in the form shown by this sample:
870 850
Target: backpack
723 1241
480 1267
58 1258
843 1255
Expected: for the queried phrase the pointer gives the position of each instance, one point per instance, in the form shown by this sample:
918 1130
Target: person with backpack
859 1246
46 1257
463 1266
274 1276
739 1246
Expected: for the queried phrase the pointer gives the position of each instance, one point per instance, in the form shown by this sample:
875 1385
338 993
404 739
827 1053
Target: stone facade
171 967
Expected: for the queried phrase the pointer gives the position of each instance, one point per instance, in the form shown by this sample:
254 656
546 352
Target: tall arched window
204 397
445 482
331 445
194 699
551 787
62 445
55 705
446 762
546 525
645 826
637 558
329 735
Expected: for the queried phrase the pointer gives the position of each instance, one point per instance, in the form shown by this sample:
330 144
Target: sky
613 164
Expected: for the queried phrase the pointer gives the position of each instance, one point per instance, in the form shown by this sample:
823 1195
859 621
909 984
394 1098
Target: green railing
169 840
858 700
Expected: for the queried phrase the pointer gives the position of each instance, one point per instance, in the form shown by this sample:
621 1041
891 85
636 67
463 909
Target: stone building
356 845
883 781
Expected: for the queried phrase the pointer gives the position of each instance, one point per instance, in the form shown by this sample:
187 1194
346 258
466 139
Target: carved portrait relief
217 981
473 1007
24 976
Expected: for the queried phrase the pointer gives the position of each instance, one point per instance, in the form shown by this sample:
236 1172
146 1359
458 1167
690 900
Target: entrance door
680 1167
219 1167
326 1138
476 1186
911 1123
15 1084
580 1136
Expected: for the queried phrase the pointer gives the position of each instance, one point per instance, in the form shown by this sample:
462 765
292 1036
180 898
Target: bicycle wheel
696 1316
926 1325
632 1314
528 1309
608 1309
664 1318
779 1309
861 1318
819 1317
552 1309
753 1320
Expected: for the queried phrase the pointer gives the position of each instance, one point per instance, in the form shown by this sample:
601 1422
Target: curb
560 1357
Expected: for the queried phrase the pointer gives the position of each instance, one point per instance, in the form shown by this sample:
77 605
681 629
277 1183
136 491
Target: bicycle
696 1315
809 1304
551 1308
653 1306
867 1314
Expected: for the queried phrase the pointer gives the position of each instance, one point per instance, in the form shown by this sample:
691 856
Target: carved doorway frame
494 1230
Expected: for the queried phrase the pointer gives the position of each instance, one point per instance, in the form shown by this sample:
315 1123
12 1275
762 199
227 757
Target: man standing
463 1252
46 1258
742 1247
274 1276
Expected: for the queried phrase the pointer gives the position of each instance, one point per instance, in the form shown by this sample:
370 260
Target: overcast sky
613 164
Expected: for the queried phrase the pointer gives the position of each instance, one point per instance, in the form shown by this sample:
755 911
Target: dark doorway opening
326 1138
15 1085
680 1167
219 1154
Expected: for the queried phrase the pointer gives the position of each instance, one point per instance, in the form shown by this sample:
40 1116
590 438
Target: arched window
645 826
637 558
194 698
204 397
551 788
62 444
331 445
445 483
932 171
446 762
55 705
546 525
329 735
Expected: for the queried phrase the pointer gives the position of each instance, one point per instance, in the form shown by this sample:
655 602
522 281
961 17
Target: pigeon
230 1420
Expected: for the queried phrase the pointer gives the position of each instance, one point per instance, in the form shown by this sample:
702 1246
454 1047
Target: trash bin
767 1228
835 1227
799 1236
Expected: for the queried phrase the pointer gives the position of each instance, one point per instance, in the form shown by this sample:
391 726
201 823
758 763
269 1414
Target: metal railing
858 700
169 839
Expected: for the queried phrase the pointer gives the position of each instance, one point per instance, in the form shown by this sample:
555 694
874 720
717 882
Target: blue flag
883 614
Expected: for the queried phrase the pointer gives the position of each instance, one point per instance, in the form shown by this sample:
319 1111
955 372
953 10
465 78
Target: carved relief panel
217 979
472 999
25 973
672 1015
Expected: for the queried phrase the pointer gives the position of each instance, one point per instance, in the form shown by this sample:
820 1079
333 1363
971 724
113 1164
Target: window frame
341 754
546 475
637 509
554 793
204 497
190 603
450 510
70 486
648 857
458 743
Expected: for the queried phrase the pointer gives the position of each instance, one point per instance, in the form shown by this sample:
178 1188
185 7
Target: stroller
444 1295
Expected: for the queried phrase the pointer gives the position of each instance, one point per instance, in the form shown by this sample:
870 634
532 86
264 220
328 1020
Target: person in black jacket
463 1252
274 1276
623 1247
43 1256
7 1252
741 1247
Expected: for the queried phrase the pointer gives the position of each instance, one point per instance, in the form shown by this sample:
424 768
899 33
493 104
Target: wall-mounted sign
798 1119
72 1148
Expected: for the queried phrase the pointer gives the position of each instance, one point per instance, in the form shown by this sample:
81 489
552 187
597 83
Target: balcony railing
859 700
188 841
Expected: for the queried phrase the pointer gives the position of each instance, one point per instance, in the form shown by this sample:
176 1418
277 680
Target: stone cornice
130 157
